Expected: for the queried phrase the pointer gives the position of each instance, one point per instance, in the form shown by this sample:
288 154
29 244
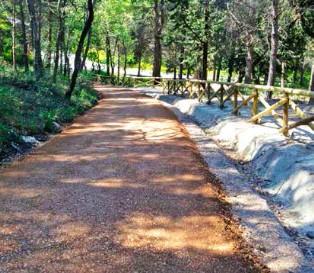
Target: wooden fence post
235 101
255 105
221 98
285 120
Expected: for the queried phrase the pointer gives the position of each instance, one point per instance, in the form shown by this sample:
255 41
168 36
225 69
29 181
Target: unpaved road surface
123 189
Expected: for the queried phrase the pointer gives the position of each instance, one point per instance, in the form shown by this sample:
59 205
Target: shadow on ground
122 190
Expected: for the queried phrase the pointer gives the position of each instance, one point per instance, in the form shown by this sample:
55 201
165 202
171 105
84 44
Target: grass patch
30 108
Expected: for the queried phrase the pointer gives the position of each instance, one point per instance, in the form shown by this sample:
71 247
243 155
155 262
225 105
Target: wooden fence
284 107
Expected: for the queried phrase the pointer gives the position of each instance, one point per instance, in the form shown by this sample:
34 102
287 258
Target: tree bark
113 54
125 60
159 22
188 72
302 68
311 87
118 63
181 60
14 37
24 37
35 26
58 41
205 42
139 64
108 54
49 46
230 66
89 37
77 60
66 70
249 64
218 69
274 45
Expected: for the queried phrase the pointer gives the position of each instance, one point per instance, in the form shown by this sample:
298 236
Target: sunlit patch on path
123 189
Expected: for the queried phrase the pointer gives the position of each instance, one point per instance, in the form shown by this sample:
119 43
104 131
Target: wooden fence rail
240 95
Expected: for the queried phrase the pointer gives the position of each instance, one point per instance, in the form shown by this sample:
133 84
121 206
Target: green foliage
30 108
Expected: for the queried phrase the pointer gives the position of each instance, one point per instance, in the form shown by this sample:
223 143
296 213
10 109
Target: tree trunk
125 61
98 62
24 37
302 68
89 37
35 26
181 60
218 70
77 60
175 73
159 23
108 54
230 67
274 45
139 64
241 75
188 72
113 54
58 42
249 65
66 57
119 63
49 46
205 42
311 87
283 72
14 37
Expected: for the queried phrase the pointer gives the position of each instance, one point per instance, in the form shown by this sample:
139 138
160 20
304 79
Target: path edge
262 231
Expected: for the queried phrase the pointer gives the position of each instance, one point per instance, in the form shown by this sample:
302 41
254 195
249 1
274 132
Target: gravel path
123 189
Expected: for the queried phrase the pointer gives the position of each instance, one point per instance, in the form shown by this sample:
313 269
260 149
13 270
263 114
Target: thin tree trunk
86 48
49 46
302 68
205 42
118 63
66 56
108 54
14 37
296 70
58 42
181 60
241 74
188 72
24 37
38 64
112 58
125 61
249 65
218 70
159 22
283 72
274 45
214 71
77 60
311 87
98 61
139 64
230 67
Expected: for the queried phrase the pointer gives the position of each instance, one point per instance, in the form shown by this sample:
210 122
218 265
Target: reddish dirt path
121 190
